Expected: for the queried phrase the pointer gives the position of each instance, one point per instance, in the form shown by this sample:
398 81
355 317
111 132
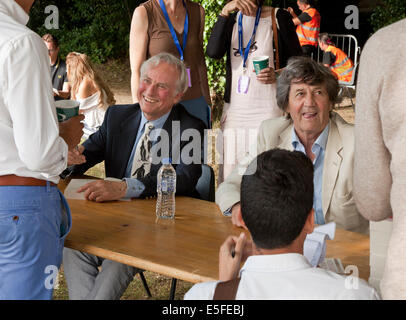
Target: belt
13 180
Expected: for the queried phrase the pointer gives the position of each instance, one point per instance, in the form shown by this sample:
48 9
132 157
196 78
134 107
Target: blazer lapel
331 166
285 138
124 141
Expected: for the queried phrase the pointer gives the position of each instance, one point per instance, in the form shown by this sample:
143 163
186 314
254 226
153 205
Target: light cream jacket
380 157
337 199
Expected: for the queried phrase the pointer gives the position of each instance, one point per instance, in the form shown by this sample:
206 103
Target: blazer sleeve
220 37
289 45
228 193
95 147
372 164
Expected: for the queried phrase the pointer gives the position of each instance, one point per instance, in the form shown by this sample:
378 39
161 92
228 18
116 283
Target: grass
158 285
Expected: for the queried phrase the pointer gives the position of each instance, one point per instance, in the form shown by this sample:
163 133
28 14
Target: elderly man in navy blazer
155 128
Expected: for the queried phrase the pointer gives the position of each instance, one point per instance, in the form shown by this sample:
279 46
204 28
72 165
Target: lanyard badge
181 49
244 80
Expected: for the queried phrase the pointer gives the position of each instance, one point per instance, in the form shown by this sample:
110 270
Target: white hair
182 81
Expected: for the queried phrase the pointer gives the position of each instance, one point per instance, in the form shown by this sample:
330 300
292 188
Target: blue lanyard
244 54
171 28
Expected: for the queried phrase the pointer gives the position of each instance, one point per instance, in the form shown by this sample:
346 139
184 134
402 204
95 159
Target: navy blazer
115 139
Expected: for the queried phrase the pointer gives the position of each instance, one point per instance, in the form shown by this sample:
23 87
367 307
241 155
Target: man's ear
309 224
178 97
240 219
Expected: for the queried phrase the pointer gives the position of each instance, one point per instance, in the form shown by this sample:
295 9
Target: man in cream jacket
307 92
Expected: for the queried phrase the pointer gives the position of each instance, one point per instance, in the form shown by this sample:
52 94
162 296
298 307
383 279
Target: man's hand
75 156
71 130
232 252
103 190
247 7
267 76
292 12
236 216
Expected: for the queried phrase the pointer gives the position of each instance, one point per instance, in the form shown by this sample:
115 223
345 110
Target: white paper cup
66 109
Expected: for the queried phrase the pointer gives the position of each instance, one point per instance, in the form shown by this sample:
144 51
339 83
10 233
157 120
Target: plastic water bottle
166 188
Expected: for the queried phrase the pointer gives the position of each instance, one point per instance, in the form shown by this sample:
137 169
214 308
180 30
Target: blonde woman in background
89 89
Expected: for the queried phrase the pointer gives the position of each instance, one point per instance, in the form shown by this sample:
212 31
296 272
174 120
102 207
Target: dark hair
276 200
306 2
50 38
305 70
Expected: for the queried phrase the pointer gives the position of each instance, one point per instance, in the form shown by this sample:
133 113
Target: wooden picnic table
185 248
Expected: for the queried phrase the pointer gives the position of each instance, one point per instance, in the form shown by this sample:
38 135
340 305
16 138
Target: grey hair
182 81
305 70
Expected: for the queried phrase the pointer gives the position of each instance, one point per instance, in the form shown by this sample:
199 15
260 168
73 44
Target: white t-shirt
288 277
29 134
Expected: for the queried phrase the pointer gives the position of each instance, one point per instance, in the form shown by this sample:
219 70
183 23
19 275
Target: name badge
189 78
243 84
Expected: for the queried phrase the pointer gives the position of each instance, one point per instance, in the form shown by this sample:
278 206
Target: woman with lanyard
176 27
244 30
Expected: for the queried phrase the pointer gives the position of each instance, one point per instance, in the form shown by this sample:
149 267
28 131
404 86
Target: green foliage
99 28
388 12
215 68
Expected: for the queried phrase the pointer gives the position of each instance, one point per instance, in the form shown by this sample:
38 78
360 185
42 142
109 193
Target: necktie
142 163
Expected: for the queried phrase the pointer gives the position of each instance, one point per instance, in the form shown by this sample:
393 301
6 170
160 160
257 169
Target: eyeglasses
253 48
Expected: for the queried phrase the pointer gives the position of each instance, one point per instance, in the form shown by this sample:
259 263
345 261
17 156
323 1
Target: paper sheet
75 184
314 248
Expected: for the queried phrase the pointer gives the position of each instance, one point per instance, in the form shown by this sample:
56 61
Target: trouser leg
81 270
112 281
30 241
86 282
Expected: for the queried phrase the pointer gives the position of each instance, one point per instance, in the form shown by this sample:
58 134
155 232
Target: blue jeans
34 222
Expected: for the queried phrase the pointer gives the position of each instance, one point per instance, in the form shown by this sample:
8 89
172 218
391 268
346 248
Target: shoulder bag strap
275 38
226 290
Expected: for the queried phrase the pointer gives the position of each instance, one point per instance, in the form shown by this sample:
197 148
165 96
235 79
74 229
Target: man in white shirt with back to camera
277 208
34 215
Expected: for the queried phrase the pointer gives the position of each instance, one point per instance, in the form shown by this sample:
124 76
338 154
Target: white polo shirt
288 277
29 134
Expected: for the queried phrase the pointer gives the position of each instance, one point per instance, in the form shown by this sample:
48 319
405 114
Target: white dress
242 117
94 115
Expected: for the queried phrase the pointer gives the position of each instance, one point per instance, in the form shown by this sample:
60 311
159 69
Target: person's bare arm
245 6
372 160
295 19
65 92
138 47
86 88
72 130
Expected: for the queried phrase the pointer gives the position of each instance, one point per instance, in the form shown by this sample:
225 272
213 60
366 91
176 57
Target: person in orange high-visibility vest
334 58
308 26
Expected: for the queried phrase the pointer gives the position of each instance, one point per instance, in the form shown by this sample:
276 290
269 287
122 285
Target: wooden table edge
139 263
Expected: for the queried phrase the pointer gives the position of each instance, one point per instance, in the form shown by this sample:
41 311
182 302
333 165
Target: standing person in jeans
34 215
59 75
175 27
